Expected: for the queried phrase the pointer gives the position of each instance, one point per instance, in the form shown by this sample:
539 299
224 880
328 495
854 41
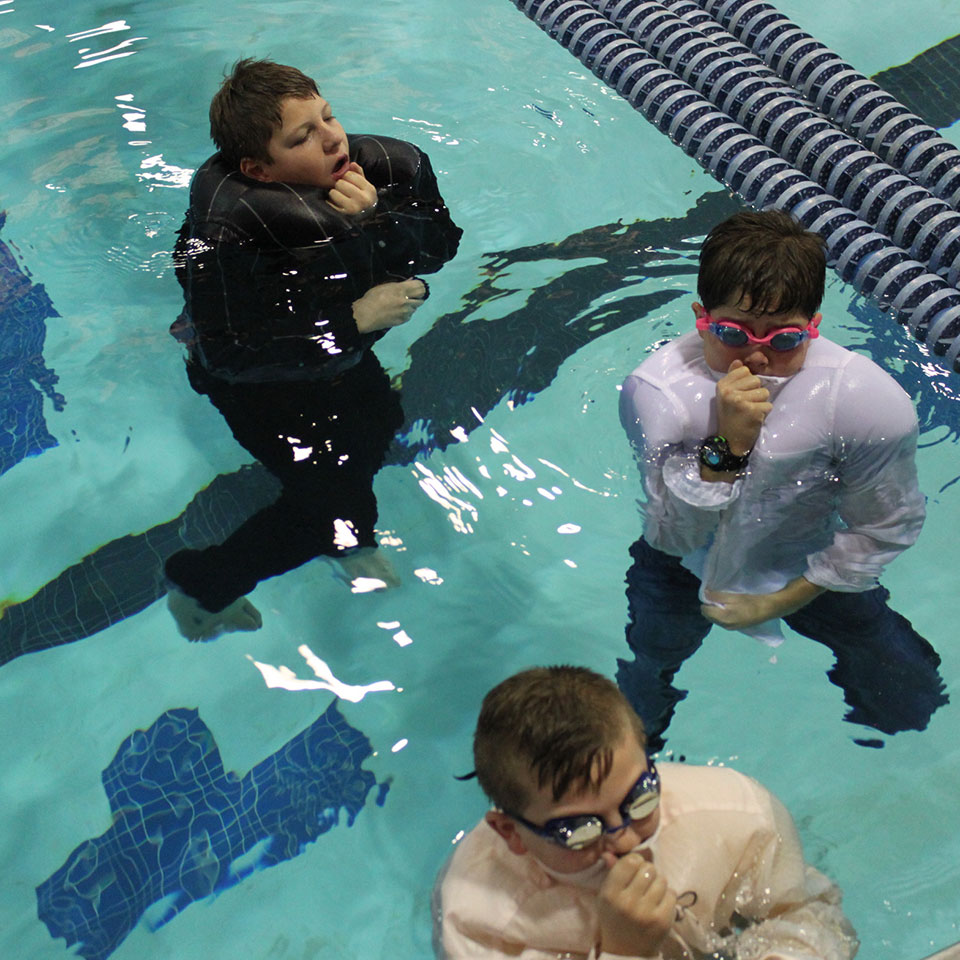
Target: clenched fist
636 908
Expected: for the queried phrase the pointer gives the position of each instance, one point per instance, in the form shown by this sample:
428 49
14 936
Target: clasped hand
388 304
743 403
735 611
636 908
353 192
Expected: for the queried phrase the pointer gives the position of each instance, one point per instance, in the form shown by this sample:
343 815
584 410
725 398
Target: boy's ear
255 170
506 826
698 310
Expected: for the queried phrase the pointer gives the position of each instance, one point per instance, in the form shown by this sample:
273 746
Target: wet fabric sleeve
412 217
681 510
458 946
793 911
489 905
256 314
880 502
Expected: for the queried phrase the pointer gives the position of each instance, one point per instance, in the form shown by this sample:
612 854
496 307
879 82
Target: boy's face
760 359
629 762
309 147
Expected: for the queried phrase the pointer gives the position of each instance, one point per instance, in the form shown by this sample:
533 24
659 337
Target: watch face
716 455
711 456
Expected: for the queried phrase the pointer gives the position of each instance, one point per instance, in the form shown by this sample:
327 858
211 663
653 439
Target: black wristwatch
715 455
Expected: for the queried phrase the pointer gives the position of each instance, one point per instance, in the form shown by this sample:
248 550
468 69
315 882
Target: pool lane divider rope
854 102
924 225
870 260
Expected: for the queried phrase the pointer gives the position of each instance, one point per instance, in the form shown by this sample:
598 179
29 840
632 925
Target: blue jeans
887 671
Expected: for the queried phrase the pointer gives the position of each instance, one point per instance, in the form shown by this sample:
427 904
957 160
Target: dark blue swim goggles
578 832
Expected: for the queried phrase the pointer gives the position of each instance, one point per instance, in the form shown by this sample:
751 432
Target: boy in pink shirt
591 850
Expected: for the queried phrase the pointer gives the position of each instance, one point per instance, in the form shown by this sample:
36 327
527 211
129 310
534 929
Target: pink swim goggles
733 334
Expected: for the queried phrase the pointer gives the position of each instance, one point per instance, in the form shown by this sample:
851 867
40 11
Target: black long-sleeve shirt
270 270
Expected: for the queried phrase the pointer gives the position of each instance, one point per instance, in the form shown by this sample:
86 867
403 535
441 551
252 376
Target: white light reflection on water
400 637
448 486
388 538
284 678
91 57
133 116
428 575
433 130
367 584
441 492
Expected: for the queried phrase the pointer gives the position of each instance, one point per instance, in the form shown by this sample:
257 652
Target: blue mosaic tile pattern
184 829
24 309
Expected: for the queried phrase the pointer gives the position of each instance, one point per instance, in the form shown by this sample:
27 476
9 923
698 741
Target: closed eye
304 138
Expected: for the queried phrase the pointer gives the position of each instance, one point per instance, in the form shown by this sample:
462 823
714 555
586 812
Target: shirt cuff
824 574
681 474
595 954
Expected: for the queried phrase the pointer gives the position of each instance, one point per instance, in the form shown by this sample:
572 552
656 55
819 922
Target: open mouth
341 165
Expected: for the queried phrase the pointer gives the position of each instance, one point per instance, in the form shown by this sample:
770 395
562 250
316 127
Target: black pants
324 440
887 671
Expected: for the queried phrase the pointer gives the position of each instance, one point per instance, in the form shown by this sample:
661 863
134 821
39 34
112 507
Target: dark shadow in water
184 828
511 358
24 310
126 575
929 84
464 362
934 390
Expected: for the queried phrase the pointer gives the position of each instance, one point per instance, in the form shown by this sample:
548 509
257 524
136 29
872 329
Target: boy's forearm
735 611
796 594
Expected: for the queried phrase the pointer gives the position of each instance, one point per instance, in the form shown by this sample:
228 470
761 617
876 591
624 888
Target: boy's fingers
347 185
629 871
753 395
742 375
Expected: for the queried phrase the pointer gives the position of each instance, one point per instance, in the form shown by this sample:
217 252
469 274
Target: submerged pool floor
290 793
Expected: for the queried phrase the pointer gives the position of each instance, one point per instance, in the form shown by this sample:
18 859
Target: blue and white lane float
853 101
862 256
924 225
696 16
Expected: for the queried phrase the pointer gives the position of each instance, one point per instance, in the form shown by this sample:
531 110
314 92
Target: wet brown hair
766 261
246 110
555 725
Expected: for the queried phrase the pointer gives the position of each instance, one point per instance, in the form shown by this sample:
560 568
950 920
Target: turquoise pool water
512 543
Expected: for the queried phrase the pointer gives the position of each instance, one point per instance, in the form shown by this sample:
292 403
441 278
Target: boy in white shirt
780 480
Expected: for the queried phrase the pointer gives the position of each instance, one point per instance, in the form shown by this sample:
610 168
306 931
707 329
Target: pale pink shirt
726 847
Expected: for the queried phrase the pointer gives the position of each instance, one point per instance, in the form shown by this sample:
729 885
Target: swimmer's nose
757 362
621 842
331 140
